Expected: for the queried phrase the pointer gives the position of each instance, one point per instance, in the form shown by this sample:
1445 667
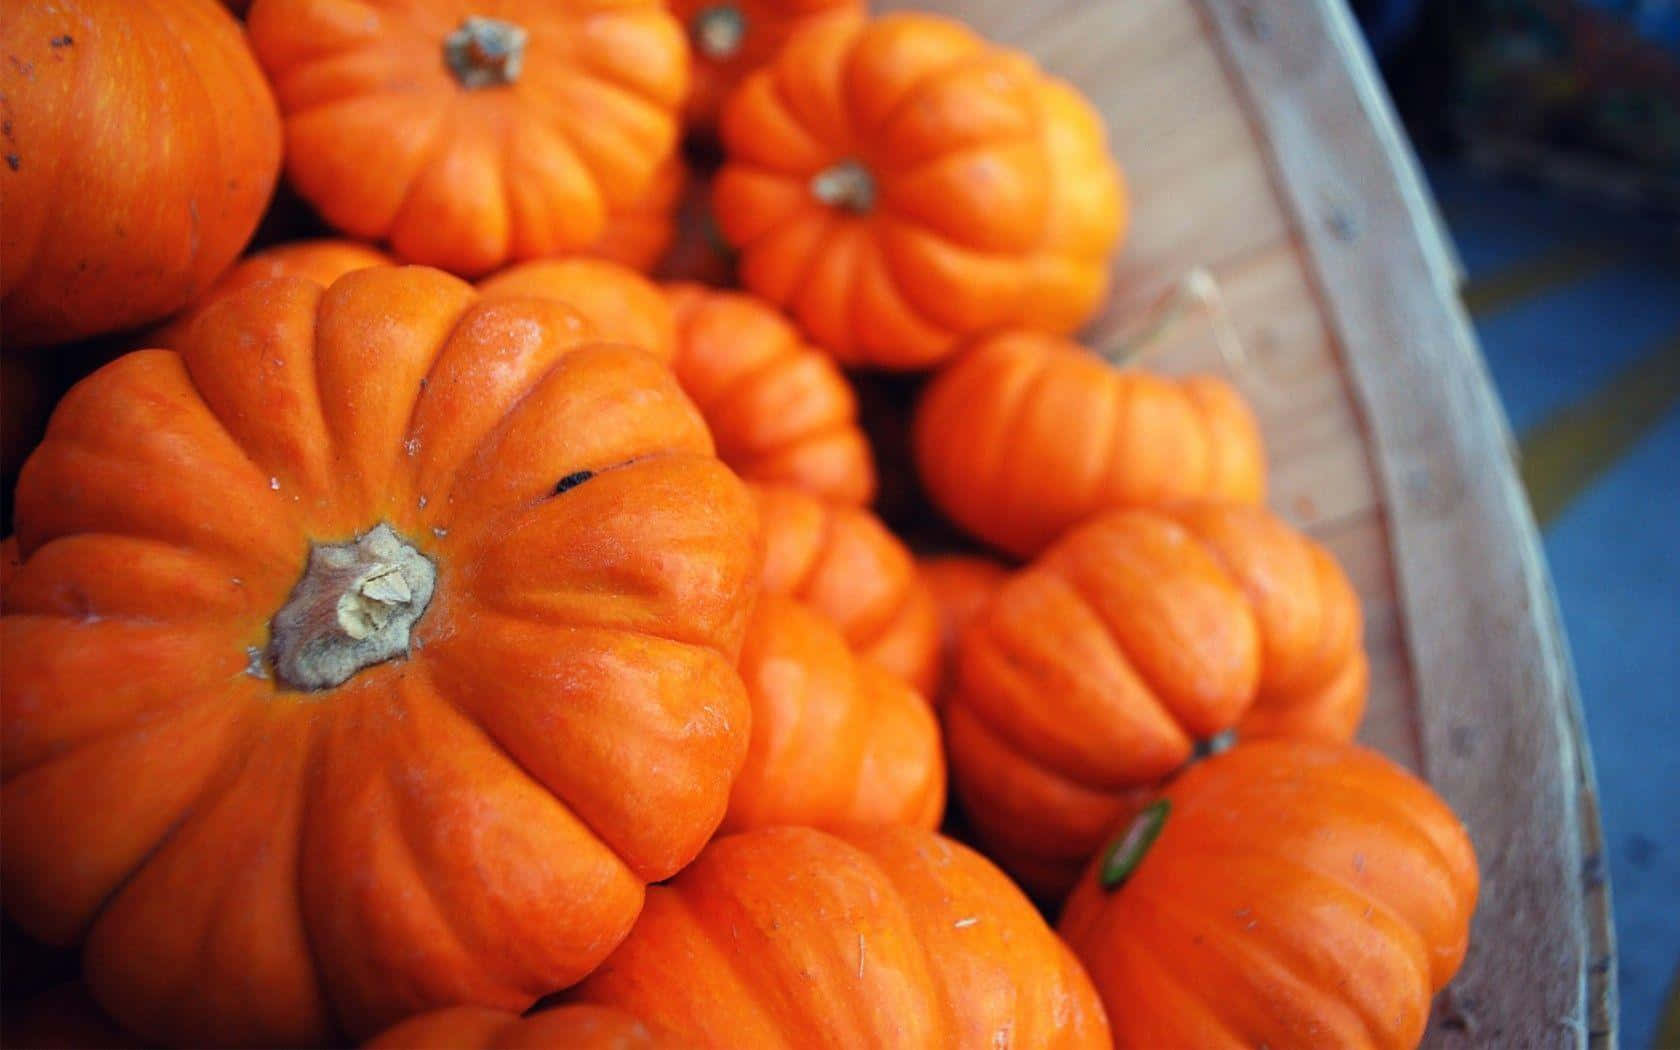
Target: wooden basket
1258 143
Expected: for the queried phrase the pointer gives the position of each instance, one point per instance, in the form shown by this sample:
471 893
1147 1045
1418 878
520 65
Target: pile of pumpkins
445 635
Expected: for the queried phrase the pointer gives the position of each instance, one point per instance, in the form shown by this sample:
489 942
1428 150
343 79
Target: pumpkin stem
847 184
1133 844
353 608
485 52
1198 292
719 32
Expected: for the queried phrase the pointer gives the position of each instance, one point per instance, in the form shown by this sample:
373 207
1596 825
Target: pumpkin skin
731 38
639 235
879 938
385 137
141 146
961 585
890 230
843 563
184 796
1092 673
779 409
835 740
1299 894
322 261
580 1026
620 304
1026 435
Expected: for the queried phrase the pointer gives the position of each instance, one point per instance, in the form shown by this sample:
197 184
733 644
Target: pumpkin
895 185
620 304
835 740
1026 435
639 234
373 651
469 137
141 145
1095 672
842 562
63 1018
581 1026
779 409
322 261
961 585
1285 893
731 38
881 938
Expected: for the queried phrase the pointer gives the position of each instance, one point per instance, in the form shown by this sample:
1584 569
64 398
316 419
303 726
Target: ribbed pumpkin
580 1026
846 565
371 654
1096 670
731 38
835 740
961 586
471 136
639 234
884 939
1284 893
1025 435
322 261
141 145
779 409
897 184
620 304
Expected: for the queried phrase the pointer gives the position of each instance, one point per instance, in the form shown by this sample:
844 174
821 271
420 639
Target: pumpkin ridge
1026 392
443 139
587 61
741 381
751 991
981 50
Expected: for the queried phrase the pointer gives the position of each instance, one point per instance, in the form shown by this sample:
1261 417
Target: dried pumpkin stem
719 32
847 185
485 52
354 607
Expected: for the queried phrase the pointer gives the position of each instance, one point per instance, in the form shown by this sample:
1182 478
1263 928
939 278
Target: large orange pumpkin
779 409
639 234
961 585
1285 893
835 740
141 144
1096 671
368 655
887 938
731 38
470 136
1025 435
897 184
579 1026
845 564
621 305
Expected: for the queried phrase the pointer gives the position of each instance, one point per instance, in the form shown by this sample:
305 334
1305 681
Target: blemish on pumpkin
572 480
965 923
64 40
13 161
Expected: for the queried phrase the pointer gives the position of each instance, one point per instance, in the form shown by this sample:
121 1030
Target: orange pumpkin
373 651
620 304
779 409
835 740
322 261
884 938
1285 893
961 586
639 235
1026 435
731 38
897 184
141 144
1094 672
581 1026
842 562
470 137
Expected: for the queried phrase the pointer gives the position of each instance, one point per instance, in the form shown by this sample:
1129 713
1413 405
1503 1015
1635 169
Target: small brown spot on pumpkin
14 161
62 40
572 480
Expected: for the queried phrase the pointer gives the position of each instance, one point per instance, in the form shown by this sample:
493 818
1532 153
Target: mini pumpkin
1096 671
374 651
779 409
466 138
620 304
897 184
580 1026
1285 893
639 234
843 563
835 740
141 145
731 38
879 938
961 585
1025 435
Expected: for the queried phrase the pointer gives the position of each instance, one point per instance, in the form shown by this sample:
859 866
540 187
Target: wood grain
1257 143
